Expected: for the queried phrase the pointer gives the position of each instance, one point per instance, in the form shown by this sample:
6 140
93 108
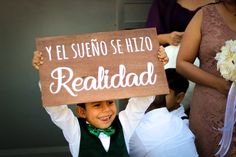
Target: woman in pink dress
205 35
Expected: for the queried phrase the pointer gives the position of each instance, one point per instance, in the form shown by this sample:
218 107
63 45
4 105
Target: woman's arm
189 51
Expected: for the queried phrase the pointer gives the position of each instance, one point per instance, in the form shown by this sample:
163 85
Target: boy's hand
162 56
37 59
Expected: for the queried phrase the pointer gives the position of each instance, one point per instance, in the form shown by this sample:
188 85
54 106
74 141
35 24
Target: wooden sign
100 66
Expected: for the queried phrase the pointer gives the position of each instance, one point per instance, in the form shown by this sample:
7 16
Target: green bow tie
95 131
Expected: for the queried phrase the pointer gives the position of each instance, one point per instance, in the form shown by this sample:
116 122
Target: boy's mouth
105 119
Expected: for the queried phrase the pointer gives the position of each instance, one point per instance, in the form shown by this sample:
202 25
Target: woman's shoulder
209 7
210 12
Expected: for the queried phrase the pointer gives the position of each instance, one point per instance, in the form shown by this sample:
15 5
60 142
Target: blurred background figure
170 17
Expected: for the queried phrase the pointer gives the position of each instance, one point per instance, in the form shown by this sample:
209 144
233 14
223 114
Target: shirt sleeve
64 118
131 116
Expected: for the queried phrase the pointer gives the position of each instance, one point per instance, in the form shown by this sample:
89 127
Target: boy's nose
106 107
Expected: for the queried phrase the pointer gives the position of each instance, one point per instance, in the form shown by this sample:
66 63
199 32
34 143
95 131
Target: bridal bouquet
226 64
227 60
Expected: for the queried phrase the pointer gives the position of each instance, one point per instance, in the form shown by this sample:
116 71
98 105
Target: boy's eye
110 102
96 105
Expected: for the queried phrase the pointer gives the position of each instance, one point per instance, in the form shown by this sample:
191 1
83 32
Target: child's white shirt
105 140
64 118
180 112
162 134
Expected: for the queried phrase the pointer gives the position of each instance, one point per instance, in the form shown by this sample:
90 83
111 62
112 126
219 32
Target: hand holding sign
100 66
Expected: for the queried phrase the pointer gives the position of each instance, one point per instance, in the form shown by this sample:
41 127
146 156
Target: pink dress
207 104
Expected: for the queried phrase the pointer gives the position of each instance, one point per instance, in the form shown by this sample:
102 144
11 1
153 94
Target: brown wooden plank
119 55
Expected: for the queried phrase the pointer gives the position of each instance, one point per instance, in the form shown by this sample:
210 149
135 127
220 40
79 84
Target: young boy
178 86
83 133
160 132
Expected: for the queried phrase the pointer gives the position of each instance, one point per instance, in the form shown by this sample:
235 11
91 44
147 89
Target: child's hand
37 59
162 56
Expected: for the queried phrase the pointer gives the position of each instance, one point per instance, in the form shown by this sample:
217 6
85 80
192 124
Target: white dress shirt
180 112
161 134
64 118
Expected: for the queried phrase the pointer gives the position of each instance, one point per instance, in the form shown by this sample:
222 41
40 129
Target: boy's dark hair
81 105
176 82
159 101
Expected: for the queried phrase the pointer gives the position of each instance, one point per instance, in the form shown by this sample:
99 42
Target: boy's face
173 101
100 114
170 100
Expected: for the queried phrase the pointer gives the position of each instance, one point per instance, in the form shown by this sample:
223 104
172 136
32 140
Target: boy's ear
80 111
180 97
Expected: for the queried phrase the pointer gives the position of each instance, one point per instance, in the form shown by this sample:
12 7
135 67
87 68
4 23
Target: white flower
227 60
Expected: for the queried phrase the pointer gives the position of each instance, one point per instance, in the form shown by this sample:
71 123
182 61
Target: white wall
25 128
